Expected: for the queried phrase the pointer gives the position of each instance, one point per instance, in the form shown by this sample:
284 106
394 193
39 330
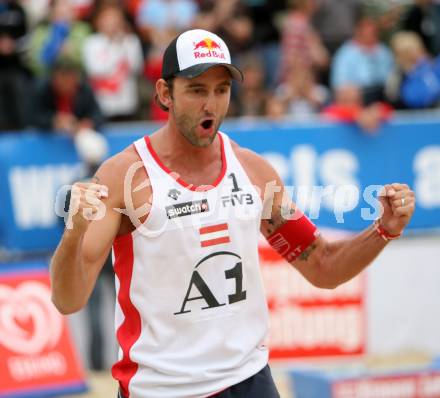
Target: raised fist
86 205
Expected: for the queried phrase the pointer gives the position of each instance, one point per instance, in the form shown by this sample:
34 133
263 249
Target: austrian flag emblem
214 235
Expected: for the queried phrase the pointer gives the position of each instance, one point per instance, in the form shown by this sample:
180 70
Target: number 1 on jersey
234 182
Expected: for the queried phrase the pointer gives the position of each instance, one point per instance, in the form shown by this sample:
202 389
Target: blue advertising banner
32 169
335 170
332 171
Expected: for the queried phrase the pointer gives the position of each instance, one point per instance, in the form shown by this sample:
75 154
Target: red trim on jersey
218 392
130 330
213 228
191 187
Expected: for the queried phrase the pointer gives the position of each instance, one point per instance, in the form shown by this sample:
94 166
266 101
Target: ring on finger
403 201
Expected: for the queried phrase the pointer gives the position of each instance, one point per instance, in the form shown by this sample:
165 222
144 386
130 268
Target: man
363 61
415 83
65 102
14 76
183 209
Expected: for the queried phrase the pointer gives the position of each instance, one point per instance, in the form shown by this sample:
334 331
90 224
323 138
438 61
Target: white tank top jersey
191 314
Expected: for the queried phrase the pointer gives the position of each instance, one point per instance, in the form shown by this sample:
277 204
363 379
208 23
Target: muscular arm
328 264
84 248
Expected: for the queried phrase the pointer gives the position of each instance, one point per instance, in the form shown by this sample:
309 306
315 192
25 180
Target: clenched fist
398 203
86 205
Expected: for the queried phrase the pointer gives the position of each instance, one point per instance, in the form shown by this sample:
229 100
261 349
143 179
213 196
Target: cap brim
197 70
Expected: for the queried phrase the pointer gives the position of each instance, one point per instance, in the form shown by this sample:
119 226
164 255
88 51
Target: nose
210 104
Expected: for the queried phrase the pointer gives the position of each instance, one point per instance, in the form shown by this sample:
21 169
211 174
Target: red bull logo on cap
206 43
214 49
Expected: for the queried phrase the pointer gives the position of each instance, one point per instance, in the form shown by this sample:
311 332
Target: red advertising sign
36 351
307 321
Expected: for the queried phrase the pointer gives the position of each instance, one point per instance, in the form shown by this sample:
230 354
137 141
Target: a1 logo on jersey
204 293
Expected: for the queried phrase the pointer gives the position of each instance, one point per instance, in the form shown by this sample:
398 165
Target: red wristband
383 233
293 237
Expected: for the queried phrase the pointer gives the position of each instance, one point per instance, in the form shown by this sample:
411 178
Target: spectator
14 77
82 8
334 20
416 82
348 107
230 19
363 61
274 108
132 7
423 18
299 41
266 36
60 36
251 96
113 61
160 21
302 93
388 15
65 102
37 10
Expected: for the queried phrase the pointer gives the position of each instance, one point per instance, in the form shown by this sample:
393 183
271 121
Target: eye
197 90
223 90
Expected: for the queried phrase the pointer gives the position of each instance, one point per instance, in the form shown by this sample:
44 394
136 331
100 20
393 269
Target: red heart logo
29 322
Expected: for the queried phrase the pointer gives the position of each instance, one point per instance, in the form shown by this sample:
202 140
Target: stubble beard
188 126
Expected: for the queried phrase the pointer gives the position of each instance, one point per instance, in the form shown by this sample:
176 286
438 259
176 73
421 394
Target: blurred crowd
68 65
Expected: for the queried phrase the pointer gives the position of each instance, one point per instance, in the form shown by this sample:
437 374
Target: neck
366 45
175 149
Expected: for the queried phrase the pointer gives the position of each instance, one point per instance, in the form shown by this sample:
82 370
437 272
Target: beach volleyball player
183 210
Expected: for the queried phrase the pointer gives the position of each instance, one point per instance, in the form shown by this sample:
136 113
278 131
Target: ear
163 93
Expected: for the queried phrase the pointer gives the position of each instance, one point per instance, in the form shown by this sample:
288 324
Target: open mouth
207 124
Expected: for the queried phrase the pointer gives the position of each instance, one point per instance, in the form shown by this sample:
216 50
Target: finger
384 190
85 185
404 191
398 191
91 186
398 187
103 191
91 199
404 211
75 201
75 194
402 202
100 191
92 196
389 191
402 198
